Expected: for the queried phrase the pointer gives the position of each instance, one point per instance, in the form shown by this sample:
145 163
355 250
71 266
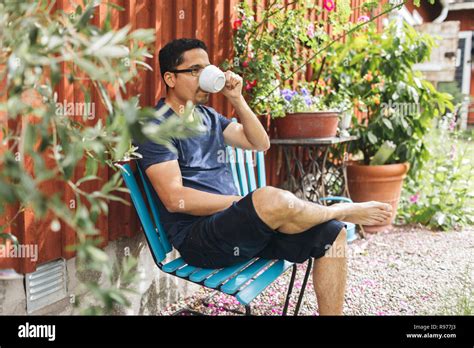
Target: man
205 218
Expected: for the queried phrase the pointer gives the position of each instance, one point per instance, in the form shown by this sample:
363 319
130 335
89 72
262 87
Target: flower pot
377 183
321 124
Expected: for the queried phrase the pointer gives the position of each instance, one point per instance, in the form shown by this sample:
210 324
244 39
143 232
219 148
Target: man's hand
249 134
233 86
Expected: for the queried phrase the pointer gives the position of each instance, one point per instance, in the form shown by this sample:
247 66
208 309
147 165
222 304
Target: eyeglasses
194 71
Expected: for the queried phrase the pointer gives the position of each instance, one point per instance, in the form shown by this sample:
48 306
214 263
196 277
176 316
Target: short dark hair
171 55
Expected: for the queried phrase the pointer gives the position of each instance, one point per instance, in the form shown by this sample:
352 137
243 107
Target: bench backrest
245 179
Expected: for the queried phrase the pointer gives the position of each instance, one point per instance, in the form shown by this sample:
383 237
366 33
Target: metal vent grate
46 285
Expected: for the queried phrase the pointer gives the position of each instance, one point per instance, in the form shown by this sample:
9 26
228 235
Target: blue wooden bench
246 280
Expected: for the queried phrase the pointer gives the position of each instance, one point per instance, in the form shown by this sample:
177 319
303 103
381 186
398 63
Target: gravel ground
407 271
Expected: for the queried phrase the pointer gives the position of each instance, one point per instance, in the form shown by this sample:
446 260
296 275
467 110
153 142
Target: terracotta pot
321 124
377 183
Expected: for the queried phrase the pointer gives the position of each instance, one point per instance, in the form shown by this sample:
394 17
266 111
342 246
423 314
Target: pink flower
329 5
414 198
250 85
453 152
310 31
245 64
368 282
363 19
237 24
452 125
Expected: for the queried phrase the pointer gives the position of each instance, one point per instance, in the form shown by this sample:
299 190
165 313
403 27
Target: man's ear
170 79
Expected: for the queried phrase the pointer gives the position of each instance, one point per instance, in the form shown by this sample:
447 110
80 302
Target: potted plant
398 106
308 116
275 52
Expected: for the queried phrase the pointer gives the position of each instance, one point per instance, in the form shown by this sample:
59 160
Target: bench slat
261 169
172 266
249 165
202 274
240 279
251 291
154 211
232 161
241 172
151 234
185 271
218 278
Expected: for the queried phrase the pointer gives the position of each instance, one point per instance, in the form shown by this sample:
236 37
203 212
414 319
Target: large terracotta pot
321 124
377 183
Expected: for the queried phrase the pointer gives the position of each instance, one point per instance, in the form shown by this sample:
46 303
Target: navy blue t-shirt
203 163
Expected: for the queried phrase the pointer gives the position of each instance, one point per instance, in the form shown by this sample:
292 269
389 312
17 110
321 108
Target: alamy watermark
28 330
403 109
13 250
76 109
223 156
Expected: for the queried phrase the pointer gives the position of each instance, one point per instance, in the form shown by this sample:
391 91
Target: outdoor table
314 167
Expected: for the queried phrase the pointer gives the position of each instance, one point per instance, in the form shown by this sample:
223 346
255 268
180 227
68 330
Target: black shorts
238 234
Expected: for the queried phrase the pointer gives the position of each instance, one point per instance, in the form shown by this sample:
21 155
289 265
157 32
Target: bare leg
283 211
329 277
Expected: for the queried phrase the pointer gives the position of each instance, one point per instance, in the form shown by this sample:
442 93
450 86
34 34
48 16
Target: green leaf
112 52
86 178
88 67
387 123
97 254
30 137
372 138
119 298
92 166
9 236
145 35
87 15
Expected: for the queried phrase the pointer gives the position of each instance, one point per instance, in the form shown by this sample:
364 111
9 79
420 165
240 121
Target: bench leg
303 287
205 301
248 310
290 289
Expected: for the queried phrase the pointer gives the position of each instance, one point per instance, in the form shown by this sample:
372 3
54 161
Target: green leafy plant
43 145
441 195
272 52
377 71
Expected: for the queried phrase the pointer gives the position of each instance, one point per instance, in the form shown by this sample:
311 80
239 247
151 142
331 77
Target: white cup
212 79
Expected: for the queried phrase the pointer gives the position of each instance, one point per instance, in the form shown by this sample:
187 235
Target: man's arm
249 134
168 183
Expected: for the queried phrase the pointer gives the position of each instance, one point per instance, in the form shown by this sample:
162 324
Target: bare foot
367 213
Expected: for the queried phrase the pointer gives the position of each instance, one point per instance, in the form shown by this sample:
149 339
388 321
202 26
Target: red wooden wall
208 20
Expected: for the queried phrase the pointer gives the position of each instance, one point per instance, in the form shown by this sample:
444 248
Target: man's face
184 85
